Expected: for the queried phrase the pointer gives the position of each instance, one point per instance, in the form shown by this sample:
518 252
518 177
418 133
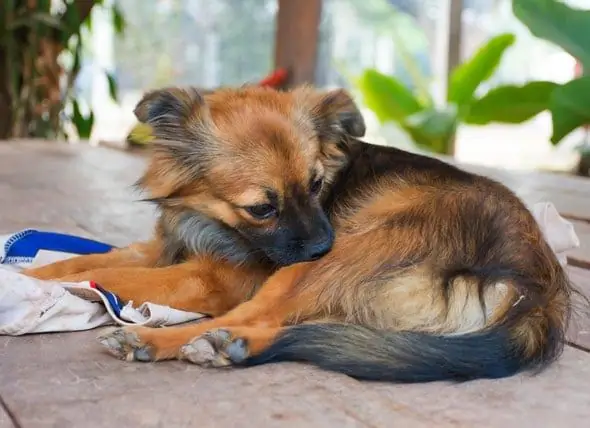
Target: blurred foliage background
73 69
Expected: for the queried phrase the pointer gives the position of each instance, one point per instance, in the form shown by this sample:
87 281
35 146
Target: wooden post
454 50
454 36
296 39
448 52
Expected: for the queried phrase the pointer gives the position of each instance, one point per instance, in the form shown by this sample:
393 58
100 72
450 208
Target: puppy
304 243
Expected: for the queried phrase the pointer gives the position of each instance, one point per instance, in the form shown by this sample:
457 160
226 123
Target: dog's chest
194 235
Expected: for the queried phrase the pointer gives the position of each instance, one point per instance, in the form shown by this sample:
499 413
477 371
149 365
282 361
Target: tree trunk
5 99
35 65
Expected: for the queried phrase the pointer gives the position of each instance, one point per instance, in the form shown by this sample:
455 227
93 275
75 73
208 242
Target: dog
304 243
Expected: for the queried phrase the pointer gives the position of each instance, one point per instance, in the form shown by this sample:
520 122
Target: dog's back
436 273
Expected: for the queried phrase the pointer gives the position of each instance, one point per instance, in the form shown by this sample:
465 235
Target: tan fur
251 140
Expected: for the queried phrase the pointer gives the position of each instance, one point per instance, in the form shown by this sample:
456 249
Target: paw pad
215 349
125 345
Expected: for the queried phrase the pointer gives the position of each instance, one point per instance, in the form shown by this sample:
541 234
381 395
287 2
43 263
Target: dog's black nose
320 250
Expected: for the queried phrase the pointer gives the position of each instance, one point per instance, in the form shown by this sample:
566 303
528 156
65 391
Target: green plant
42 44
433 127
568 28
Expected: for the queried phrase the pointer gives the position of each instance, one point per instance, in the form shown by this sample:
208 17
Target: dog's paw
216 348
126 344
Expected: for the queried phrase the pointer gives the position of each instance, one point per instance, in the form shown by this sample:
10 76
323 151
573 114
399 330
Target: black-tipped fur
404 357
495 352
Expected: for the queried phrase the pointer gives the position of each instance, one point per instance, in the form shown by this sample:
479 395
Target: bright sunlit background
206 43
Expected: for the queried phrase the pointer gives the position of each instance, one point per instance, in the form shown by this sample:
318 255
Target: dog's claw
142 354
215 349
125 345
237 350
199 351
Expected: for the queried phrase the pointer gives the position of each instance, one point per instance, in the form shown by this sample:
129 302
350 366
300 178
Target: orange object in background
276 79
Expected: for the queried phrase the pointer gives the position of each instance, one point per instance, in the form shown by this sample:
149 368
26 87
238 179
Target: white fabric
29 305
559 233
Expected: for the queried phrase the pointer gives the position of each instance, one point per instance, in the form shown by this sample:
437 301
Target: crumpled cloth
28 305
559 233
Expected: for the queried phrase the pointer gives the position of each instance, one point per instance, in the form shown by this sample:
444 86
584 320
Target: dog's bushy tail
529 336
370 354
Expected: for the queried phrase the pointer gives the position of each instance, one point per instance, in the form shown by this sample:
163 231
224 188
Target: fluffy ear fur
170 111
170 104
179 118
337 122
336 113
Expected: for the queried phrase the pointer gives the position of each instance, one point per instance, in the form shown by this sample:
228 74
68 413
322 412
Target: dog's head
254 159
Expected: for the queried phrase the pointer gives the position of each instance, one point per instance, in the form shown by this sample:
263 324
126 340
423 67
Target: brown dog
307 244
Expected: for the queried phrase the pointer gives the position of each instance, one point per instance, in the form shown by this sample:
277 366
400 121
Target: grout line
10 413
583 264
578 347
575 217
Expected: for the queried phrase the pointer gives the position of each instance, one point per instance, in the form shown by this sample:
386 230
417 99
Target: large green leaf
433 129
558 23
387 97
467 77
511 103
570 107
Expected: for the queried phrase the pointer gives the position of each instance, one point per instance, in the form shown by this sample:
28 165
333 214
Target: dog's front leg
197 286
242 332
141 254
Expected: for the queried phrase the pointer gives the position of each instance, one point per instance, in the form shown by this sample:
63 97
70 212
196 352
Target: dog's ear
171 108
334 114
336 121
337 111
178 118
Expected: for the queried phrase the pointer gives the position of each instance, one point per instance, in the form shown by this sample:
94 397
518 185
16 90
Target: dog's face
255 159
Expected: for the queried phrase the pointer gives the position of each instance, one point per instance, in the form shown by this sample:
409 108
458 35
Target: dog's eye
262 211
316 186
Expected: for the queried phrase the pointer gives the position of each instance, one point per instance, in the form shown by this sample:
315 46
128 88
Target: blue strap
113 300
24 245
